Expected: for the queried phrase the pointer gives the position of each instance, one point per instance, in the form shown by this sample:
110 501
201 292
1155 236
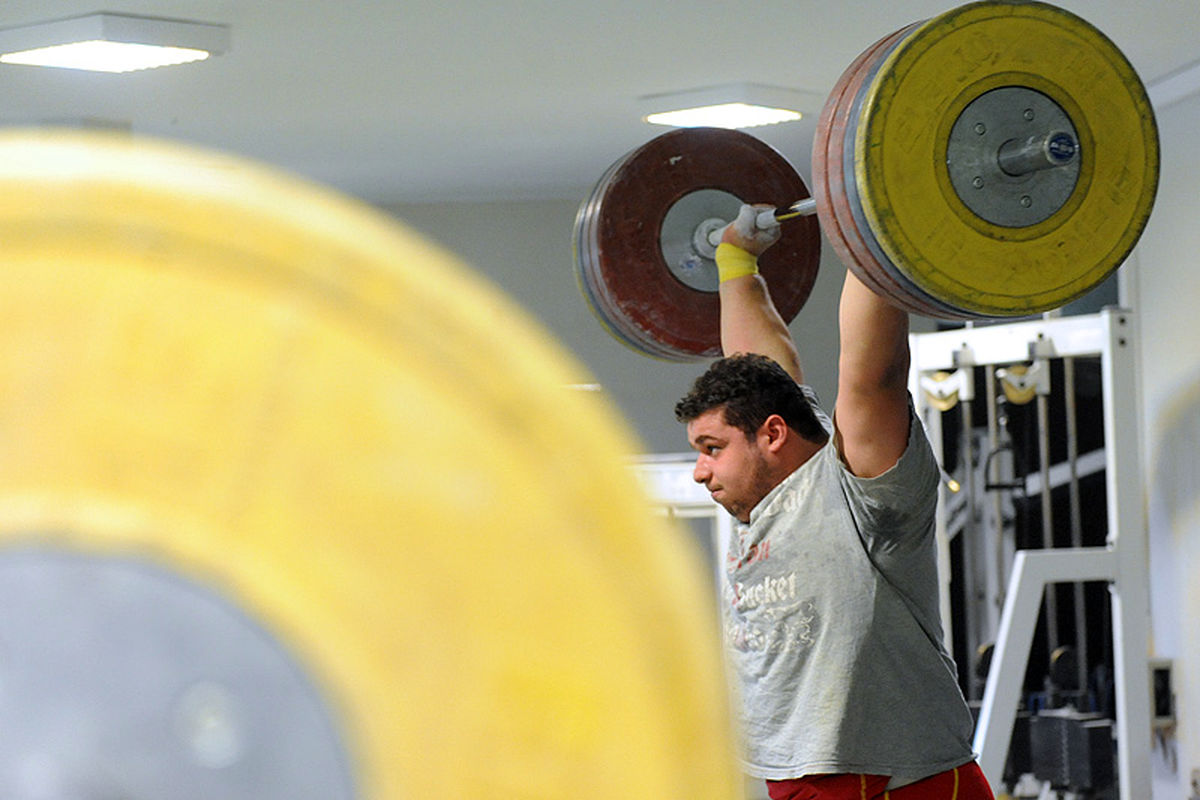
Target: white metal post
1127 536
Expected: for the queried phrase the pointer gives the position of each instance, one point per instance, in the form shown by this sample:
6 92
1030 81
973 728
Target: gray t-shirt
833 624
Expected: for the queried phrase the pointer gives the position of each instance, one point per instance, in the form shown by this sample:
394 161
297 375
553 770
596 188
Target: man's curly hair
750 388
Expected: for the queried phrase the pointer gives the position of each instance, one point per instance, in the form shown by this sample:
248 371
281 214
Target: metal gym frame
1122 562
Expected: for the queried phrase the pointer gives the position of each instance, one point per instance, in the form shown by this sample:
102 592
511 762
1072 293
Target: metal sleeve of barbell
800 208
1018 157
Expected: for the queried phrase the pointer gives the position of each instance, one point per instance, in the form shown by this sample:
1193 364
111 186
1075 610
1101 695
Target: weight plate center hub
135 682
1013 157
686 249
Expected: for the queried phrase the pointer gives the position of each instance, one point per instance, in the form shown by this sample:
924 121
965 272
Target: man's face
730 465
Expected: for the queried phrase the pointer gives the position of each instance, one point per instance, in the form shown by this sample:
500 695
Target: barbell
996 161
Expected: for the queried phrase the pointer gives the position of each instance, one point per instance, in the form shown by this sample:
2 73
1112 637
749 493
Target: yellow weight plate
903 180
284 395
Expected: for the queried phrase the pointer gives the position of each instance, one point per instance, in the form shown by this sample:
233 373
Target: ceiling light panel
736 106
112 42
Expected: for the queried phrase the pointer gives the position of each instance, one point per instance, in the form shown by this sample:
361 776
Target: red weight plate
848 206
586 273
619 249
832 114
837 219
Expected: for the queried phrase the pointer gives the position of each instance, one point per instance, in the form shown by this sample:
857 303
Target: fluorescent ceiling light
723 115
112 43
743 105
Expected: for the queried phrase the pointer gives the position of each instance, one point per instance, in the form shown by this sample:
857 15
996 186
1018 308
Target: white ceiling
436 100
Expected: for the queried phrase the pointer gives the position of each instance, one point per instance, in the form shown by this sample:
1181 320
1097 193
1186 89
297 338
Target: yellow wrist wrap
734 262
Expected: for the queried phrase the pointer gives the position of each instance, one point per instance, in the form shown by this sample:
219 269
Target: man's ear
773 433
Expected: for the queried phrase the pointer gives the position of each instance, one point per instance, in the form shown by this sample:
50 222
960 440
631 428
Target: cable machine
1012 592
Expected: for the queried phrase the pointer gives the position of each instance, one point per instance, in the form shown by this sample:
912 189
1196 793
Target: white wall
525 248
1164 284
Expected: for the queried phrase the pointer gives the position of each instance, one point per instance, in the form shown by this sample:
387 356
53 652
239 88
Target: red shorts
961 783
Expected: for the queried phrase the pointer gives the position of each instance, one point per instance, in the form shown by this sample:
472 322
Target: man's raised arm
750 323
872 401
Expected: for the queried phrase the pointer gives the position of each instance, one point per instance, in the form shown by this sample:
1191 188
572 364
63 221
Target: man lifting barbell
963 169
831 604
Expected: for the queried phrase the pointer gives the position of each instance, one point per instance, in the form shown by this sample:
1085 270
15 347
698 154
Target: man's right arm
750 323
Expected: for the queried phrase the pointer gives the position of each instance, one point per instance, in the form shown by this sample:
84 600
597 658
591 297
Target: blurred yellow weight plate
284 395
903 180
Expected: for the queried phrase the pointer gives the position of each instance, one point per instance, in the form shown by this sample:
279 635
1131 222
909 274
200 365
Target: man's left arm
872 414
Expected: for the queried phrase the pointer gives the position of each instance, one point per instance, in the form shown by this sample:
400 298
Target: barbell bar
1015 157
996 161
